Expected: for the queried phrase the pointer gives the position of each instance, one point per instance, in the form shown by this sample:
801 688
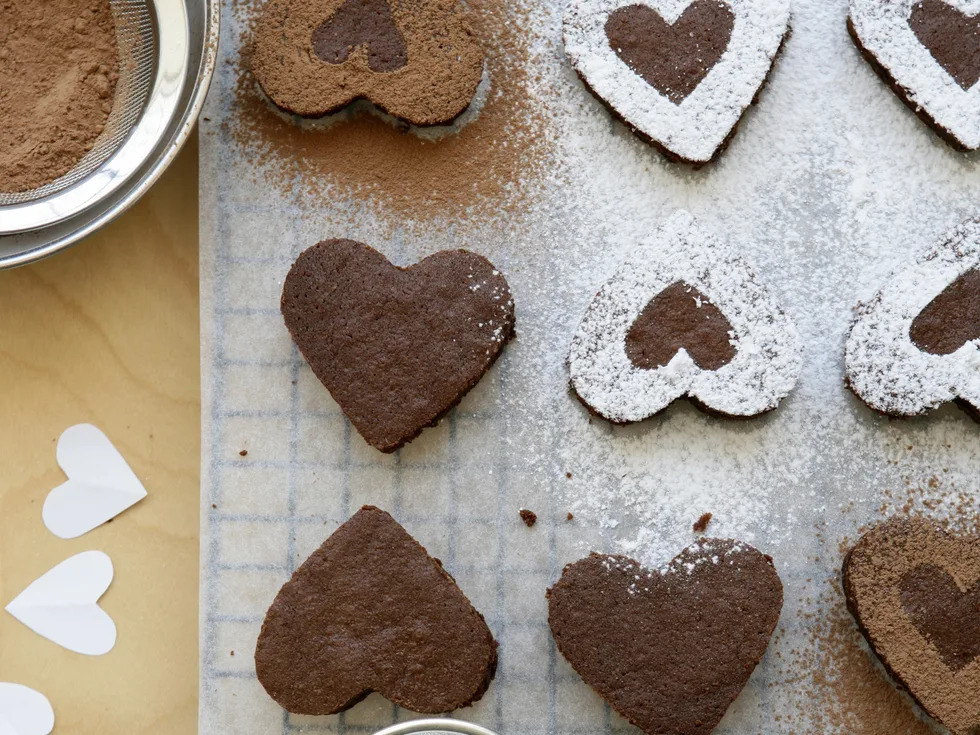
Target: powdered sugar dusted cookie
916 344
684 316
928 51
679 72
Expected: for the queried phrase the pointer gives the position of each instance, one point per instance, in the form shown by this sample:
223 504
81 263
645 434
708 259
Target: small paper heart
670 649
914 590
24 711
100 484
370 610
62 605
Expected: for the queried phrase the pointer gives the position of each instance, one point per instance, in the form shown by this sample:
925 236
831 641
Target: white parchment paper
829 184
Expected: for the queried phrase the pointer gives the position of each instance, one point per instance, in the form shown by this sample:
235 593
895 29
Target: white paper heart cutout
695 129
100 484
62 605
24 711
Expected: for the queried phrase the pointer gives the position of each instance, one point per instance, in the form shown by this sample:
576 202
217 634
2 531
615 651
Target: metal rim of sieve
154 39
435 725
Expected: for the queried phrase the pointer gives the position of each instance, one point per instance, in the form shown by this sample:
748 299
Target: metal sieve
167 51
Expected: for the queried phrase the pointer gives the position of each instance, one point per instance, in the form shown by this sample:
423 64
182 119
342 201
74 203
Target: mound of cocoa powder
59 63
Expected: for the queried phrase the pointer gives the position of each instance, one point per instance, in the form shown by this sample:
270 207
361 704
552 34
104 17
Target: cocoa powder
59 64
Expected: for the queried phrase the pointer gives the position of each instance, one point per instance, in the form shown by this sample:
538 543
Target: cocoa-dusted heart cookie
916 344
683 316
415 59
928 52
914 590
680 73
396 347
371 611
671 649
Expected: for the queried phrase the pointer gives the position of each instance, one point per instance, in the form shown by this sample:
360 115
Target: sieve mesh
136 37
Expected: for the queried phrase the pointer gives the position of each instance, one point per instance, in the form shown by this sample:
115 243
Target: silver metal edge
435 724
146 180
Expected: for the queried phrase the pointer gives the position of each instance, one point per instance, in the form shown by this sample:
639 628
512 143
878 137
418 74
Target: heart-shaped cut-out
62 605
672 57
682 295
418 61
396 347
952 36
928 52
371 611
100 483
679 73
24 711
365 23
914 590
670 650
680 318
916 344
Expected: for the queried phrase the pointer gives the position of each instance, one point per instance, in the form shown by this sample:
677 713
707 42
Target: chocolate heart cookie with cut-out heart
683 316
680 73
671 649
916 344
417 60
914 590
396 347
928 52
371 611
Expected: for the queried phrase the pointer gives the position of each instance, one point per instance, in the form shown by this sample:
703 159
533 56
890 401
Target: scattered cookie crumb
243 453
214 505
232 653
701 524
568 475
529 517
570 516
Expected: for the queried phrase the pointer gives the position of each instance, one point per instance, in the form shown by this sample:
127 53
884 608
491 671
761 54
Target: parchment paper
829 185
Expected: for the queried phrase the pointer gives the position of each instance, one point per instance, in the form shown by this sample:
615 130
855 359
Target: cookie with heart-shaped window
928 52
417 60
684 316
680 73
916 344
669 649
914 590
371 611
396 347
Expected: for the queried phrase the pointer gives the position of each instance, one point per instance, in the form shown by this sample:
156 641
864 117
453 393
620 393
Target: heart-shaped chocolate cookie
914 590
916 344
371 611
670 650
396 347
928 52
417 60
680 73
683 316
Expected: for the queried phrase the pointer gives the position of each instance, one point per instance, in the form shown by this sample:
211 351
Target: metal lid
435 725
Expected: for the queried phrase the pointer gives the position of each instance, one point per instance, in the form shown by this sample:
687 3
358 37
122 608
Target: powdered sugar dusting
768 357
884 367
697 127
883 29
